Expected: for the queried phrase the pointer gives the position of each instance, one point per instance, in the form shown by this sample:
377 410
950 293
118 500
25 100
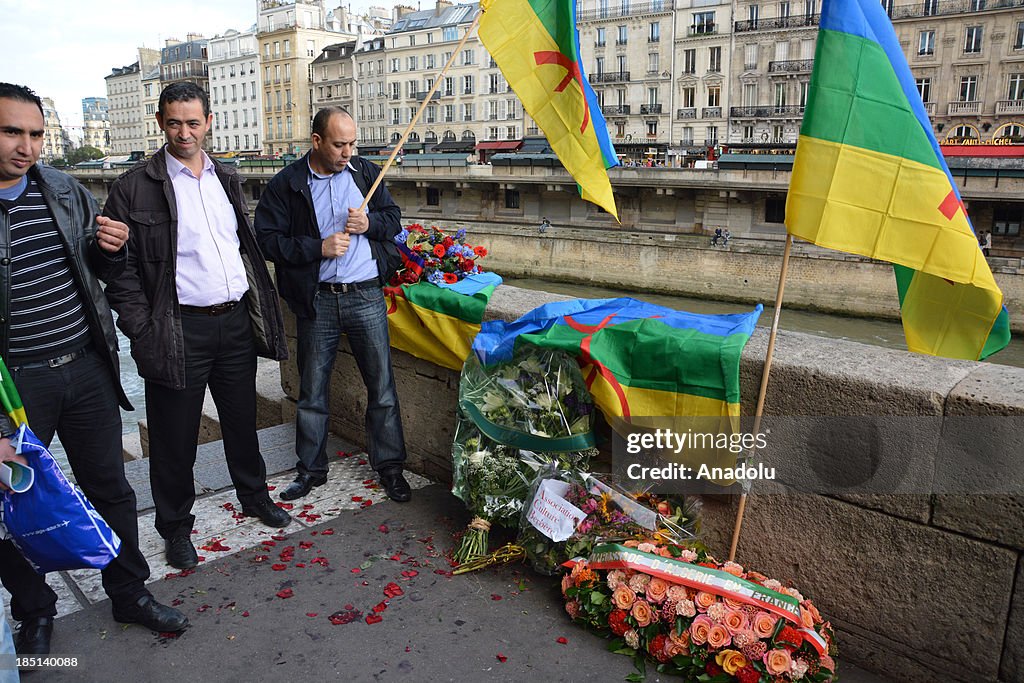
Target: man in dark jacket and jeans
332 259
198 304
57 338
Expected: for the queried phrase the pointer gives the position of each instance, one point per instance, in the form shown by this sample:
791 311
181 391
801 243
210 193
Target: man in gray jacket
57 338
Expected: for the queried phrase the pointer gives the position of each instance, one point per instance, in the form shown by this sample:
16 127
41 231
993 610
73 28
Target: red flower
656 647
748 674
438 251
447 242
451 278
790 635
713 669
468 264
480 251
617 622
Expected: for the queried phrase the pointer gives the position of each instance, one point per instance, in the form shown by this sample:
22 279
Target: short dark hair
20 93
324 115
183 92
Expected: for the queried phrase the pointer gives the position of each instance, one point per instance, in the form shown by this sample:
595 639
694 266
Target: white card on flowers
551 514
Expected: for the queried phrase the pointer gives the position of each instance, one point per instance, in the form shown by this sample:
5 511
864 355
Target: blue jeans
8 666
362 316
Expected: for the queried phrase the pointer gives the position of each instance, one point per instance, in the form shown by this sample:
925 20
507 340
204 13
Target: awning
535 145
454 146
371 149
504 145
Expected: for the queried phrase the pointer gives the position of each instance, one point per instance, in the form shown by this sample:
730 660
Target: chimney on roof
441 6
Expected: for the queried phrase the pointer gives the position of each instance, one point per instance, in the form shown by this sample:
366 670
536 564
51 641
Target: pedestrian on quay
197 303
332 259
544 225
986 246
57 338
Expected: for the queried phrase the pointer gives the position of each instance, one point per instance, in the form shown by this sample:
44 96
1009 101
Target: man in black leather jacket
57 338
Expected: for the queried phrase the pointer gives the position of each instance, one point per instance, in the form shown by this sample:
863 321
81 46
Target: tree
84 153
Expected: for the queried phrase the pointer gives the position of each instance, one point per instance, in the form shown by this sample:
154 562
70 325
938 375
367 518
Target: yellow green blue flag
10 399
537 48
869 179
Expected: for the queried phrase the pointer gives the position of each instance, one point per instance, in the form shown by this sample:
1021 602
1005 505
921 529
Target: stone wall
920 587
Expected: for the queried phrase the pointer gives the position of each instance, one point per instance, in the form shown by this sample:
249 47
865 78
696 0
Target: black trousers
79 402
219 353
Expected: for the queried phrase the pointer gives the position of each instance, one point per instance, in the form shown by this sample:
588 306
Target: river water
886 333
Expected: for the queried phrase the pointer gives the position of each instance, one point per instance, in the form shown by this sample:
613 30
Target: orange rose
732 568
815 614
735 621
699 629
656 591
764 624
642 613
777 662
731 661
623 597
719 636
704 600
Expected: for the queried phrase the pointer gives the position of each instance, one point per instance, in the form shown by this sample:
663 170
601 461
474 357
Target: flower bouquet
697 617
432 255
514 418
601 513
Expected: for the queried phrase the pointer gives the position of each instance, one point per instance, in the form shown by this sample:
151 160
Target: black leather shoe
269 514
302 485
34 636
151 614
181 554
395 485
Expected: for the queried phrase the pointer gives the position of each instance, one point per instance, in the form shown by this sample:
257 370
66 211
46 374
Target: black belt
216 309
346 287
54 362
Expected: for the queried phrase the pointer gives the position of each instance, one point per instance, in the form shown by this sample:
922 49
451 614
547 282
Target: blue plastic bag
53 524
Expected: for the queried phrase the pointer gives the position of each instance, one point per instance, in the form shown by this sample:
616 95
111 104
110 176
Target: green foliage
84 153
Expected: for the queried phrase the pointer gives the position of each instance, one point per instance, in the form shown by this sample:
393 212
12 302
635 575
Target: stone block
988 390
1012 668
996 518
903 584
131 447
144 437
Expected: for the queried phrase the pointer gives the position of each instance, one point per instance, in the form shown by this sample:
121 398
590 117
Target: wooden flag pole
764 386
419 112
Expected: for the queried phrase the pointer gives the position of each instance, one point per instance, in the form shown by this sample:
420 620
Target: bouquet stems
474 542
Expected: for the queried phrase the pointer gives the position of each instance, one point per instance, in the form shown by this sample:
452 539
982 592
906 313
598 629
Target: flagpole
419 112
764 386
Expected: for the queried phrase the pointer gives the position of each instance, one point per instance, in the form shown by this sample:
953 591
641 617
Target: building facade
95 123
55 140
125 106
235 98
290 36
332 77
185 61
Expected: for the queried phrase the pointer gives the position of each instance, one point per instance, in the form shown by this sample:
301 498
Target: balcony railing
776 23
930 108
964 108
650 108
711 113
702 30
626 10
621 41
942 7
781 111
420 96
686 142
615 110
609 77
791 66
1009 107
688 113
710 142
599 43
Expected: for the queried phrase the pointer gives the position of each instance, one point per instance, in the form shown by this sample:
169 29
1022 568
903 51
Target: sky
63 49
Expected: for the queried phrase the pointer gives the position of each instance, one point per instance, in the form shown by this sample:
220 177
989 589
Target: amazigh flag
638 359
537 48
869 178
10 399
438 322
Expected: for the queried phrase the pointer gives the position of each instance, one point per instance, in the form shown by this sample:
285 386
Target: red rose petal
327 532
305 545
501 658
562 641
307 506
285 506
366 583
311 614
357 499
279 567
380 607
361 461
268 544
408 649
495 596
373 618
202 608
409 573
346 617
245 613
393 590
285 593
383 528
356 570
300 564
215 545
